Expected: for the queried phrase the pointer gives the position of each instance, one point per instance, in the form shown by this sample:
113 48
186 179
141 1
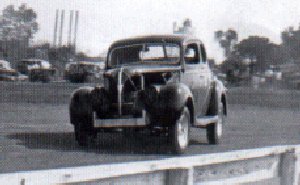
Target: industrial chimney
55 29
61 27
70 28
76 28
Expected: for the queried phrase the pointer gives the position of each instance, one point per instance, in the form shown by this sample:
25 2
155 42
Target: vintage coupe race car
161 83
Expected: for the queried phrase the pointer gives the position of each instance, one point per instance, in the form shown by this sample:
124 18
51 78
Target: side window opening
191 54
203 52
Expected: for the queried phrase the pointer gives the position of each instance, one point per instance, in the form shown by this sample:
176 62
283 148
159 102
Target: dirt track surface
39 136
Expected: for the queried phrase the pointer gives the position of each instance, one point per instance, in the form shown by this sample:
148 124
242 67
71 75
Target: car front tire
81 135
84 131
179 132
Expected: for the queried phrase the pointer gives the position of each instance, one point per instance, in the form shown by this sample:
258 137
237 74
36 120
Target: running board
206 120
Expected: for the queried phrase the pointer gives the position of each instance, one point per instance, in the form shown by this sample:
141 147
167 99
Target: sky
103 21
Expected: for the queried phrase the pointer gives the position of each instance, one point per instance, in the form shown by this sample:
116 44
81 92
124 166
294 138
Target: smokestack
76 28
61 27
70 28
55 29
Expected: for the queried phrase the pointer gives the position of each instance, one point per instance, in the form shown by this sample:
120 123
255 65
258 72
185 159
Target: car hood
141 69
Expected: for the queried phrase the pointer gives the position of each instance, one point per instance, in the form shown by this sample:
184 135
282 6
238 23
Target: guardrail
271 165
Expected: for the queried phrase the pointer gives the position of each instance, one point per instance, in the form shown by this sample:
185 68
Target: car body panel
198 78
156 92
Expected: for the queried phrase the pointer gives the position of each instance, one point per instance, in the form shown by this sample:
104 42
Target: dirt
39 136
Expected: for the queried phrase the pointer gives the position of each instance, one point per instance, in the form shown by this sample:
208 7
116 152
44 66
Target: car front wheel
84 132
81 134
179 132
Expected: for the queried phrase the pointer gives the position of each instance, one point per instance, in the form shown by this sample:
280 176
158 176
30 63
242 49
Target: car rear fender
217 98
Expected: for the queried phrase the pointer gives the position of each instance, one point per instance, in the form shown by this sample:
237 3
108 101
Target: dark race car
160 83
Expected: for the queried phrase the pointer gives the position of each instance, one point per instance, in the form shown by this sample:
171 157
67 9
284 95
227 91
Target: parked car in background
159 83
9 74
37 70
6 72
21 77
84 71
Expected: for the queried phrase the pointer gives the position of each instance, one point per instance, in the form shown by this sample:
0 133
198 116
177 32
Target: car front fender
174 96
80 103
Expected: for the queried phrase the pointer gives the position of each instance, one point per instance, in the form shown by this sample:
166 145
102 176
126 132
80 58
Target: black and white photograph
150 92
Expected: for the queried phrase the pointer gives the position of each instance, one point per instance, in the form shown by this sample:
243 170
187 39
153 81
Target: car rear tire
214 131
179 132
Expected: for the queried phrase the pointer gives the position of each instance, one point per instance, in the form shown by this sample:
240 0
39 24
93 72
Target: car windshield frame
147 45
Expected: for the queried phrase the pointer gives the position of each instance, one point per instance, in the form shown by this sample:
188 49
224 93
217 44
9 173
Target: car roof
154 38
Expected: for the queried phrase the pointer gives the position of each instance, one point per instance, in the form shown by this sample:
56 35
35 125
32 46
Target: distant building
185 29
40 51
60 56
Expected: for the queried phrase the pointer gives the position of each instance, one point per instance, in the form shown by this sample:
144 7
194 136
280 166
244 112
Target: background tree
227 40
291 44
18 24
259 50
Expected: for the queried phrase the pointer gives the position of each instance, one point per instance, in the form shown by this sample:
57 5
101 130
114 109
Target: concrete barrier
270 165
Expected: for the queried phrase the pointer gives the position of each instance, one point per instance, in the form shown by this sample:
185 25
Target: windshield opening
84 68
148 53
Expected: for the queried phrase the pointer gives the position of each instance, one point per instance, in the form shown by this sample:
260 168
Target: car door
197 76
